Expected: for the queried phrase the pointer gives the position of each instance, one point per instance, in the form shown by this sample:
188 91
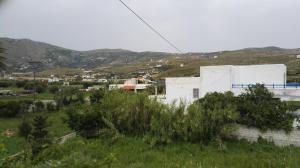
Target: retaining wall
280 138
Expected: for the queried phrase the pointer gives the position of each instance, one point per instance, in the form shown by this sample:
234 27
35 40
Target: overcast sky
192 25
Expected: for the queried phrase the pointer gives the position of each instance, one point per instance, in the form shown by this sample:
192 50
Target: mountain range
19 52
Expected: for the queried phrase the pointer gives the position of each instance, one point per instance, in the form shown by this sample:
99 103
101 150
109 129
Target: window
195 93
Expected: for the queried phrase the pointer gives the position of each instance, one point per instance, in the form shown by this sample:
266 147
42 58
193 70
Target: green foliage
130 113
53 89
97 96
40 137
40 106
21 84
25 128
40 87
50 107
10 109
258 108
210 117
67 96
87 122
137 115
167 125
131 152
3 150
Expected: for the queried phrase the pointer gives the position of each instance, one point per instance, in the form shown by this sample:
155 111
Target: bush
25 129
211 117
53 89
13 108
168 125
40 137
40 106
50 106
6 83
21 84
137 115
258 108
68 96
97 96
87 122
40 87
130 113
9 109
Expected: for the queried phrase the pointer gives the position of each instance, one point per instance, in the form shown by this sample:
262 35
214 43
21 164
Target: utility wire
151 27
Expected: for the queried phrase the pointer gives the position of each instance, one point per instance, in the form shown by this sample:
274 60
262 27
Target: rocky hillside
20 52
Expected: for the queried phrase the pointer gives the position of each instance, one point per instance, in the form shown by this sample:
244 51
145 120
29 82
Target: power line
151 27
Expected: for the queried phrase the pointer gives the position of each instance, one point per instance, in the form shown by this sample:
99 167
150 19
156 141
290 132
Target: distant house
53 78
130 85
102 80
298 56
95 87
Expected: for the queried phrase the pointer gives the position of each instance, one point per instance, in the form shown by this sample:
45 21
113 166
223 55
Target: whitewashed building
231 78
185 89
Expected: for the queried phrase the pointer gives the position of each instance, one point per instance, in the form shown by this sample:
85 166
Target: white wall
181 89
215 79
221 78
264 74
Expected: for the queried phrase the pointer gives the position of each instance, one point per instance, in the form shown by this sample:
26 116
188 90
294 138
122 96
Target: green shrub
53 89
97 96
40 106
211 117
21 84
68 96
130 113
167 125
50 106
87 122
258 108
13 108
40 137
25 129
40 87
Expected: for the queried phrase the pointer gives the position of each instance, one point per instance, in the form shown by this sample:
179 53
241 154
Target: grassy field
134 153
15 144
192 64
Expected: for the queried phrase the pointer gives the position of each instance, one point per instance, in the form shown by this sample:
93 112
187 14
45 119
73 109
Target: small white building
102 80
53 78
185 89
231 78
298 56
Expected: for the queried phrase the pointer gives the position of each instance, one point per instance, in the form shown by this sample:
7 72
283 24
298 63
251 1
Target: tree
86 123
25 129
258 108
97 96
40 135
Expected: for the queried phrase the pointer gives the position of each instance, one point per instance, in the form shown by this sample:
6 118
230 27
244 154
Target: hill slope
20 52
124 62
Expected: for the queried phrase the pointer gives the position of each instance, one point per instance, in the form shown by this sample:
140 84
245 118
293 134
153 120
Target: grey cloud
193 25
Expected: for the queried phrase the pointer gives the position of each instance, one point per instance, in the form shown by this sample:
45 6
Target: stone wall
280 138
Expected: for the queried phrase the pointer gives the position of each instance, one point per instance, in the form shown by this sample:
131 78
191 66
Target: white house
231 78
53 78
185 89
298 56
